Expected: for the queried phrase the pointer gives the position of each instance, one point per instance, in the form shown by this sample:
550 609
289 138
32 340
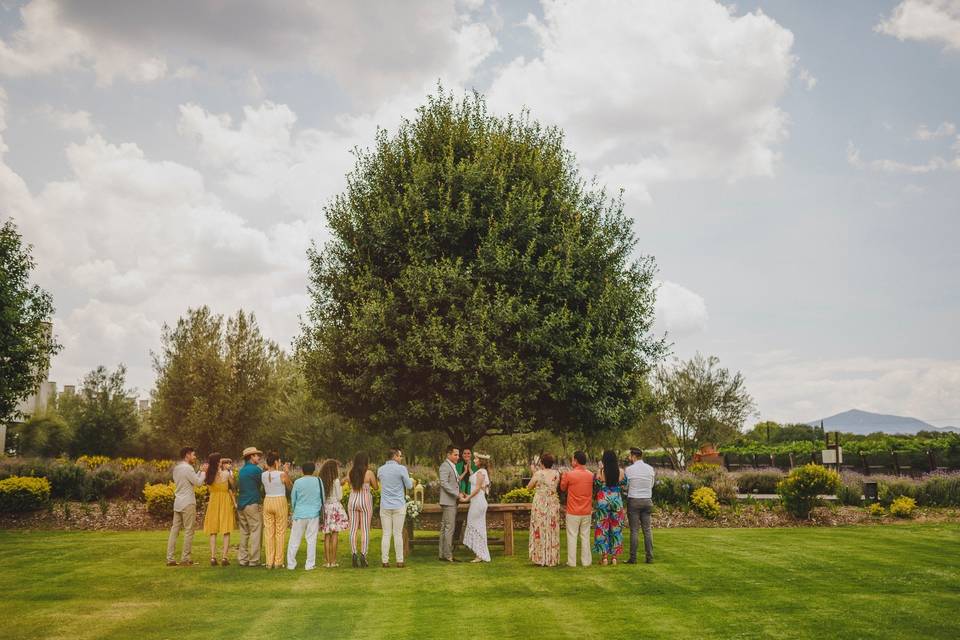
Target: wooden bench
506 541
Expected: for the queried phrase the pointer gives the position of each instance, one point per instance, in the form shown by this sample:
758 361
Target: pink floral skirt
334 518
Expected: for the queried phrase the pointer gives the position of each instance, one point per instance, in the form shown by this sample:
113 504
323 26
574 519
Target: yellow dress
220 517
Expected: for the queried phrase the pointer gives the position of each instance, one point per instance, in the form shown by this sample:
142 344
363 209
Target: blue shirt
394 478
306 498
248 485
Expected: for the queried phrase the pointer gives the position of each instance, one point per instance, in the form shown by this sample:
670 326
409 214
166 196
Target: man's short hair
392 453
580 457
308 468
185 451
636 451
452 448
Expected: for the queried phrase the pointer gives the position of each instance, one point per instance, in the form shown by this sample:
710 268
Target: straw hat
249 451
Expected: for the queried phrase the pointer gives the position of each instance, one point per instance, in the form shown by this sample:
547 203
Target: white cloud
679 311
943 130
789 387
371 49
648 91
926 21
807 78
79 121
886 165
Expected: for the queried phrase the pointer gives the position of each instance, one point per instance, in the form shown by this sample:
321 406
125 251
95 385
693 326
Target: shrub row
83 481
160 497
24 494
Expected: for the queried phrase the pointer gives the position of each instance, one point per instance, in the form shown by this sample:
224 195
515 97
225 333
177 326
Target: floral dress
608 518
544 544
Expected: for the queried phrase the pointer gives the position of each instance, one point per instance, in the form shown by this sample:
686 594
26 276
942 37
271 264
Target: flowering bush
160 497
24 494
903 507
704 501
129 464
801 489
92 462
519 495
876 510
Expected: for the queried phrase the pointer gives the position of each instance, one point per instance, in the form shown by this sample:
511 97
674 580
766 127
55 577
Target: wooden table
506 541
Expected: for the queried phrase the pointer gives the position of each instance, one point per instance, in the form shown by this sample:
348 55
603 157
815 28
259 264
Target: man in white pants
306 502
394 482
578 483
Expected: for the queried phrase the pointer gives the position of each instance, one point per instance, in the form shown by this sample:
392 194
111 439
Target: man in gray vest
185 478
449 498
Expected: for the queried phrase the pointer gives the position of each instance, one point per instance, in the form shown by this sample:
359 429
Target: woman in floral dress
608 516
544 545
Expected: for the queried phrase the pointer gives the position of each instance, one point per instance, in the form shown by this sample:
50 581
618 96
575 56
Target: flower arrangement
413 510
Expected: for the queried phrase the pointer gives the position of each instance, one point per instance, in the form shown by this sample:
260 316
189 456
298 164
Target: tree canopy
26 339
475 284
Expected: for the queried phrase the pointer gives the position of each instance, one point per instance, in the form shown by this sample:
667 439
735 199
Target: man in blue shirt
306 503
394 482
249 499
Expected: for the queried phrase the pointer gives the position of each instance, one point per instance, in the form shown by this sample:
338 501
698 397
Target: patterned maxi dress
544 545
608 518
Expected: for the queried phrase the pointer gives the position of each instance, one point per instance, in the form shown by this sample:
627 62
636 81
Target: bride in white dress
475 534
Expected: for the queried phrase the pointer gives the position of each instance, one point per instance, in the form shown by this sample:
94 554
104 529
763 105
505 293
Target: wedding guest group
255 499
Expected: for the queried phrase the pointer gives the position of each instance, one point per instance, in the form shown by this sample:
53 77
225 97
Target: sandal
224 562
213 562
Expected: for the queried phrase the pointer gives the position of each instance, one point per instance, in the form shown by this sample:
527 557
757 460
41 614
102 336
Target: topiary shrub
160 497
519 495
704 501
799 491
758 481
903 507
24 494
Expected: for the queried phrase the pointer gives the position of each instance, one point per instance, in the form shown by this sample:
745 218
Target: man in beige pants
250 508
578 483
184 507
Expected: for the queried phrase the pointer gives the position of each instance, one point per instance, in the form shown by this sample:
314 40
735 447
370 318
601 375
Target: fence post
755 461
866 467
790 455
896 463
932 457
726 461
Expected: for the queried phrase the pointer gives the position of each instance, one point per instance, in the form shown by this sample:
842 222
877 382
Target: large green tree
102 415
26 340
696 402
475 284
214 380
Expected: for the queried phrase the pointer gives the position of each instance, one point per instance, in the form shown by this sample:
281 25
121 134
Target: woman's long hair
329 475
213 468
611 469
358 470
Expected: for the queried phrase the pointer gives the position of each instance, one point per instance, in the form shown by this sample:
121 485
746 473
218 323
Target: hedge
24 494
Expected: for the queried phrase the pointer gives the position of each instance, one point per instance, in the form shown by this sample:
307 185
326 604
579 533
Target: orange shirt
578 483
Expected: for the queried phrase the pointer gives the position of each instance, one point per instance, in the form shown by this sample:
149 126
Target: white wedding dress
475 535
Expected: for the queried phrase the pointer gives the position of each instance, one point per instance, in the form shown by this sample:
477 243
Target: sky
794 167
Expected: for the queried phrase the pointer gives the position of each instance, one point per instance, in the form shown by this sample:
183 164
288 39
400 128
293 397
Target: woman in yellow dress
220 518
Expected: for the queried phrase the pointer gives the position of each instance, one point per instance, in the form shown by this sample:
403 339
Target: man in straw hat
249 509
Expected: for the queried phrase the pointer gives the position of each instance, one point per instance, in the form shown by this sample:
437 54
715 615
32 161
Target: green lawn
857 582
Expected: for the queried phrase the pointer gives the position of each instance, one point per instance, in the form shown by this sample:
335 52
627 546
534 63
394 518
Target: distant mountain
864 422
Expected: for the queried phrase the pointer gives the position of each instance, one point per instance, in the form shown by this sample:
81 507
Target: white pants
391 521
578 527
311 526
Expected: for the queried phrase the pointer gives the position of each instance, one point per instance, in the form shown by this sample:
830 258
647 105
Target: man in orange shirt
578 483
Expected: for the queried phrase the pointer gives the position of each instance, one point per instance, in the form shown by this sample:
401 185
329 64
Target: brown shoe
171 563
386 565
187 563
400 565
213 562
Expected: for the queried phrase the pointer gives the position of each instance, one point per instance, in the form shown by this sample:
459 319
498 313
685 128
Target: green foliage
759 481
24 494
674 489
214 380
44 434
903 507
474 284
102 414
888 489
697 402
160 498
520 495
800 489
704 501
876 510
940 491
26 342
850 492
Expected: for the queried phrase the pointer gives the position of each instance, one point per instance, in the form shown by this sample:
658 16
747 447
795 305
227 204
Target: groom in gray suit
449 497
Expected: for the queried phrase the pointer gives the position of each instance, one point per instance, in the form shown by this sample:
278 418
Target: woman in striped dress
360 507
